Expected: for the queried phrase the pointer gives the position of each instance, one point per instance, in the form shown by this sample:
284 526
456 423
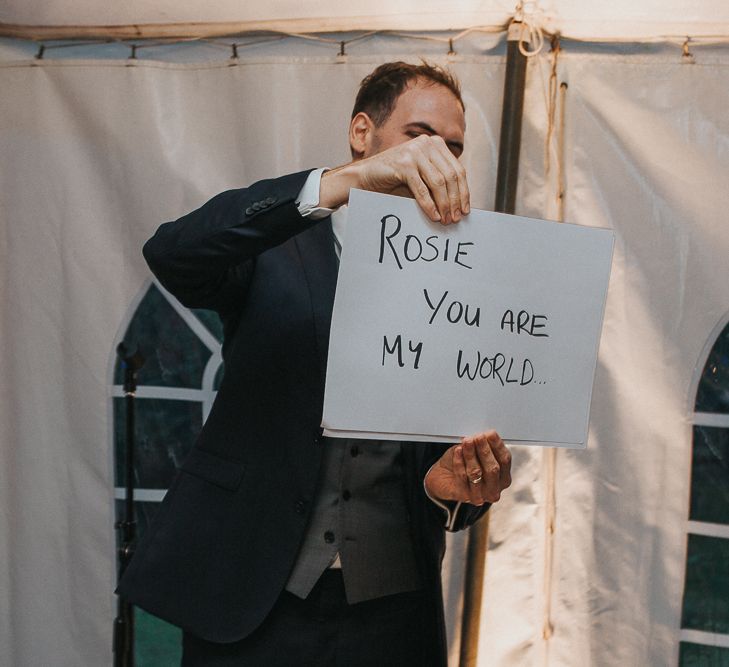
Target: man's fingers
443 182
432 174
442 174
422 195
479 469
496 458
455 178
503 456
438 180
460 473
475 474
491 468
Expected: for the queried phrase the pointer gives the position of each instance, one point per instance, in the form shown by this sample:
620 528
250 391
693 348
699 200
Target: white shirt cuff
451 513
308 198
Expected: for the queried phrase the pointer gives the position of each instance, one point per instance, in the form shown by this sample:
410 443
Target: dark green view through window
176 387
705 613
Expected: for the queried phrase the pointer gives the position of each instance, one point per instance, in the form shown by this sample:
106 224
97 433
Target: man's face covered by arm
414 152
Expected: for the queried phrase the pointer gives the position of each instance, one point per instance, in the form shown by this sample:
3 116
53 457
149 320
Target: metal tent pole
506 182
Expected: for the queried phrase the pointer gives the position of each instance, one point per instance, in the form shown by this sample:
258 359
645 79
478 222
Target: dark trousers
325 631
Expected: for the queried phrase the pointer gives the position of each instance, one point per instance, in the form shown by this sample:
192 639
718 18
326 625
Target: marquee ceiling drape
620 19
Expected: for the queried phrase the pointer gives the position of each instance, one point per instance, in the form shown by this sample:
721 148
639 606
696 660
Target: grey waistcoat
359 513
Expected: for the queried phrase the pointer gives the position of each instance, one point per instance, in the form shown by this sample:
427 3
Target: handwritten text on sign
440 332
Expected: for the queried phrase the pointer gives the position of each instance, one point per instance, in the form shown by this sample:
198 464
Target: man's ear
361 131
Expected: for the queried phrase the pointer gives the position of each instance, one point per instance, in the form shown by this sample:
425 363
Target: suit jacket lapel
320 263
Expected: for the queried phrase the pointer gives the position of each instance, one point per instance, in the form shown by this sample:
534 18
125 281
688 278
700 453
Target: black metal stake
123 642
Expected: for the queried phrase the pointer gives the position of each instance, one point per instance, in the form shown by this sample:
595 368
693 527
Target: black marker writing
413 249
396 348
485 367
524 322
455 311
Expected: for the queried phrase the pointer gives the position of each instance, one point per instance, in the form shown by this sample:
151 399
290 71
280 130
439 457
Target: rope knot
529 18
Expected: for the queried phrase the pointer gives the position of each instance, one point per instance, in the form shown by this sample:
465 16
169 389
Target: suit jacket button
250 211
300 506
270 200
256 206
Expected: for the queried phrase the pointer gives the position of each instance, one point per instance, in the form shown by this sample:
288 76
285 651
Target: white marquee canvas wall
96 154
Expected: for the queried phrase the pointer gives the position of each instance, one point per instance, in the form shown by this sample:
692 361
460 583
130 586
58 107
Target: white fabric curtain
95 156
97 153
646 154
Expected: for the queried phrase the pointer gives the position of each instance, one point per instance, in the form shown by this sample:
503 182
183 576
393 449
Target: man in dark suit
275 545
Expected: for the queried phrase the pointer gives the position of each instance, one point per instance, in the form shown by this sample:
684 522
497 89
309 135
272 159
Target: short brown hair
380 89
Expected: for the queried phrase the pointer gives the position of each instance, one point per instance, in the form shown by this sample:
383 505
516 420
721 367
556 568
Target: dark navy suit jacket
226 536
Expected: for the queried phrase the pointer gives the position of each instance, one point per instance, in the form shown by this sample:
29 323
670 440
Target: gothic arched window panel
705 617
176 388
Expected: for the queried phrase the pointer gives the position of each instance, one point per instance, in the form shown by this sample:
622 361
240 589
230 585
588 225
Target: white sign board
439 332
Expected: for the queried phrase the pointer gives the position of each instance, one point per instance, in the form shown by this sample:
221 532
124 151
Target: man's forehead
425 88
432 108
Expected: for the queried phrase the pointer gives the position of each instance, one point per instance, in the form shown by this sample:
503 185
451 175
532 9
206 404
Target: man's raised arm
423 168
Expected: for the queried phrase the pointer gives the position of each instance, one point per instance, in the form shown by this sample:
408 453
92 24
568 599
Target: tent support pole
506 182
511 114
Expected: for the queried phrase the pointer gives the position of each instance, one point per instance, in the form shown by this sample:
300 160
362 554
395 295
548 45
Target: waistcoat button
329 537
